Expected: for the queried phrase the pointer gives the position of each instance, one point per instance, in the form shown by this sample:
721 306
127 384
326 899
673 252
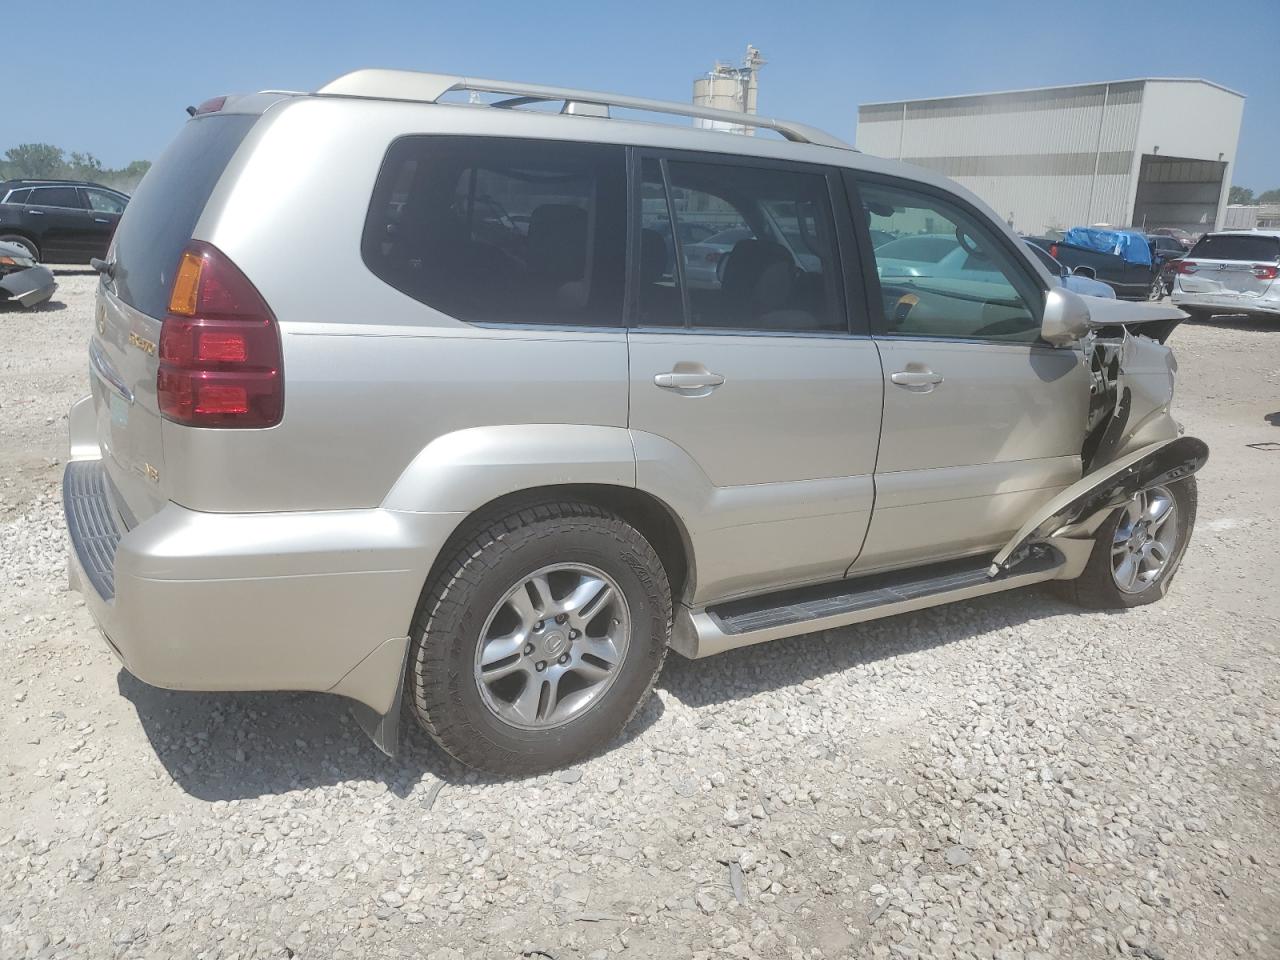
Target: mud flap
1154 465
384 728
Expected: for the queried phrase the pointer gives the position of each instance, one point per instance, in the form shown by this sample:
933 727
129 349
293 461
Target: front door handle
101 220
688 381
920 380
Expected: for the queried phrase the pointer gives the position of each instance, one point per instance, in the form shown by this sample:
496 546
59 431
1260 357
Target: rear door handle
101 220
688 381
916 379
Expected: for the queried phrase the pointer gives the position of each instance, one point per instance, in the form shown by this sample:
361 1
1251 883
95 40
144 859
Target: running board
788 613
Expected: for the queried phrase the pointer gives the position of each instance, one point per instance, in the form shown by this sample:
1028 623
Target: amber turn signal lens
186 285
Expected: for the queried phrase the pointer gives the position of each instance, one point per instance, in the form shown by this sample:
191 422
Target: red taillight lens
1264 271
220 359
1187 266
1053 250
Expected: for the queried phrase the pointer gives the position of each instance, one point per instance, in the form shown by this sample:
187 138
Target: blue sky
115 86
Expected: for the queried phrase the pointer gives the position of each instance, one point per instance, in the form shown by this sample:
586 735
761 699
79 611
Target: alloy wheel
552 646
1145 540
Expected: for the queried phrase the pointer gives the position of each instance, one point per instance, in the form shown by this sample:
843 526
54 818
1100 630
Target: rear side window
1228 246
161 216
103 202
17 196
55 197
497 230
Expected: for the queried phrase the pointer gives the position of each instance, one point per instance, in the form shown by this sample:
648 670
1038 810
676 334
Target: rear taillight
1186 266
220 358
212 105
1264 271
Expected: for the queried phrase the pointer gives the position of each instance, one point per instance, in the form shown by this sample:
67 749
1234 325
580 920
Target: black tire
1096 588
21 241
1155 292
490 557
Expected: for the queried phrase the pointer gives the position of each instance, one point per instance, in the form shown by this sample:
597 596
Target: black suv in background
60 221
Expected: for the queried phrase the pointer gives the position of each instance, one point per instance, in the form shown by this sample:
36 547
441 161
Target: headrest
758 276
653 256
558 241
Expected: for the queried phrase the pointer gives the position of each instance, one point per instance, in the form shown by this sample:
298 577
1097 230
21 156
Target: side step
807 609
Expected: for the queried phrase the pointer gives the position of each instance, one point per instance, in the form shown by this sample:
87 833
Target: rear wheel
1137 550
540 639
20 241
1156 290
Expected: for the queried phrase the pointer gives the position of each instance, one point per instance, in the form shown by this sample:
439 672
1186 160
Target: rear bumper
1227 303
28 287
282 601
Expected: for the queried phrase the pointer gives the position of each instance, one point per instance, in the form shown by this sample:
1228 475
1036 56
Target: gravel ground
1006 778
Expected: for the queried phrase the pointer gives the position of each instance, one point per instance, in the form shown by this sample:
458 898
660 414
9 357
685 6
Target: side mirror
1083 271
1066 317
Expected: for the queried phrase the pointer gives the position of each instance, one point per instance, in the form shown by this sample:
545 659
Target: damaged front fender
1076 511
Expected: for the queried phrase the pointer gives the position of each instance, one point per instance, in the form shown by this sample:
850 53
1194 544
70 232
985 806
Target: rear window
1235 246
163 212
496 230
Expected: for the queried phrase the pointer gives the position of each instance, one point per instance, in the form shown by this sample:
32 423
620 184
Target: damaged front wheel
1137 550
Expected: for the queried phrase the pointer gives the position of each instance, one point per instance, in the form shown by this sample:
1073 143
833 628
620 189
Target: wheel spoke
546 604
489 674
1160 510
586 601
525 706
602 649
1127 572
497 649
591 672
520 602
1158 552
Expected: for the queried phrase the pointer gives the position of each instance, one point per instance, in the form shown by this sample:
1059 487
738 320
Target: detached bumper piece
91 524
28 287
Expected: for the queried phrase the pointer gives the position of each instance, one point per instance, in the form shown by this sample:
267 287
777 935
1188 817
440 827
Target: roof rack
430 87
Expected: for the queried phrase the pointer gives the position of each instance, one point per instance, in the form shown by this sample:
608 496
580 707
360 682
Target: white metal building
1145 153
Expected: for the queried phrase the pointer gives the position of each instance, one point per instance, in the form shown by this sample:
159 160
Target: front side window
54 197
944 273
764 258
103 202
492 230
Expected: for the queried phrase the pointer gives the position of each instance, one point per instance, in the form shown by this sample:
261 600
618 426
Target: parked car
59 221
1233 272
1120 258
500 478
1184 239
22 280
1076 283
1165 250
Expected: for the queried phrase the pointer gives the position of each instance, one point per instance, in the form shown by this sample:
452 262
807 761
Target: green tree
33 160
1240 195
1270 196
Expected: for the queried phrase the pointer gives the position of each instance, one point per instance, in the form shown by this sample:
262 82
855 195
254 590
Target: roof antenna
191 111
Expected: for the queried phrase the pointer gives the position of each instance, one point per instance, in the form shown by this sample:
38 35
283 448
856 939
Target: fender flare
460 472
1105 489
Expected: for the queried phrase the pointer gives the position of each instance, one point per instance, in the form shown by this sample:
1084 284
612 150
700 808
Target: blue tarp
1128 244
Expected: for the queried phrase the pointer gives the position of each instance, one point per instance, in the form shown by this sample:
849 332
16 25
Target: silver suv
428 405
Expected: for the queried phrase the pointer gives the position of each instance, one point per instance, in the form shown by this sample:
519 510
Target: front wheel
540 639
1137 550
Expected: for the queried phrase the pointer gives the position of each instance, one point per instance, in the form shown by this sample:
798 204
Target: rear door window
1228 246
772 264
55 197
17 196
162 214
498 230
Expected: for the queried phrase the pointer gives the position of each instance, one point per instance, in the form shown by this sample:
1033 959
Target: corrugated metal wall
1045 158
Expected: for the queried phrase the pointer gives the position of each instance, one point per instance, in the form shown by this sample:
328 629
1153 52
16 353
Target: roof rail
430 87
